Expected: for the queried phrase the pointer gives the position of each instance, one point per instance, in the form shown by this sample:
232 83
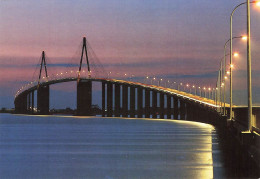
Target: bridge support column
154 112
32 109
103 99
195 112
161 106
175 108
109 99
189 110
125 101
43 99
84 98
169 103
140 102
147 103
117 100
24 103
182 110
29 103
132 101
18 105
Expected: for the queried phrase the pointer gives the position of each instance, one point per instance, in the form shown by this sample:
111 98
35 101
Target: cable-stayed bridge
122 98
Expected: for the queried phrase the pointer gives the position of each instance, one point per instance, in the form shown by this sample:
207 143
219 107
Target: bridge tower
84 87
43 91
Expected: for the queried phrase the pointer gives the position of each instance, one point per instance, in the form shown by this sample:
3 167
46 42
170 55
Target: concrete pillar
43 99
29 103
161 105
132 101
140 102
154 104
195 112
32 109
147 103
18 104
182 110
189 111
84 98
125 101
175 108
117 99
169 110
109 99
103 99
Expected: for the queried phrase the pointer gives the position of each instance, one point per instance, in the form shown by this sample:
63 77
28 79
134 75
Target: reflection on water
81 147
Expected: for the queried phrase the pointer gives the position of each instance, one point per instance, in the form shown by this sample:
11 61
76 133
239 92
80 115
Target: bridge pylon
84 49
43 62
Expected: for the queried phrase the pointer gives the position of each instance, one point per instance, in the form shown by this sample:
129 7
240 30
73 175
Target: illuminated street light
249 82
244 38
236 54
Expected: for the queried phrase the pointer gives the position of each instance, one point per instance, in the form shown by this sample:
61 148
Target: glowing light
244 37
236 54
228 72
225 77
187 85
204 88
161 79
154 78
258 3
61 73
209 89
147 77
232 66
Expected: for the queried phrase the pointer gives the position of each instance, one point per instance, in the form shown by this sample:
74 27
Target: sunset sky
176 40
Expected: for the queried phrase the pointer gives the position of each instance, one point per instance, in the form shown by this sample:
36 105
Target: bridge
121 98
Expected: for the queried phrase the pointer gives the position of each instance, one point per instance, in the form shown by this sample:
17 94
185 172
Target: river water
94 147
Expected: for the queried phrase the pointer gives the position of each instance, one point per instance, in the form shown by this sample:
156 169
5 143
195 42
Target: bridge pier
175 108
109 99
189 111
103 99
132 101
140 102
117 100
29 103
161 106
125 101
182 110
169 104
195 112
84 98
21 104
147 103
154 104
43 99
32 107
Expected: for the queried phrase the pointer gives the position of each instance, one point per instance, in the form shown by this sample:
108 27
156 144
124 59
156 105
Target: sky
176 40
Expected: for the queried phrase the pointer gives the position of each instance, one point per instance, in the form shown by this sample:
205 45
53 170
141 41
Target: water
82 147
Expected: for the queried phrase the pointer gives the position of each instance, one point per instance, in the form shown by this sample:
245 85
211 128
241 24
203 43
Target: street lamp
195 89
249 82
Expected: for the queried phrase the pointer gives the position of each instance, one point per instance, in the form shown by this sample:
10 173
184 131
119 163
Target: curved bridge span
129 98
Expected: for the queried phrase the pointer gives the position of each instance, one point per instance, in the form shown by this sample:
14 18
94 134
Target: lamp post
225 46
249 85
